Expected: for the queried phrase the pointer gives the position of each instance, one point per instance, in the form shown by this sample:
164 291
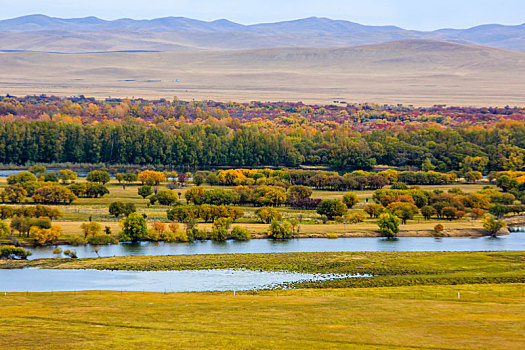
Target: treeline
463 149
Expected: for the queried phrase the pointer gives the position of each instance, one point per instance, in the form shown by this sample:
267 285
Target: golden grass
486 317
410 72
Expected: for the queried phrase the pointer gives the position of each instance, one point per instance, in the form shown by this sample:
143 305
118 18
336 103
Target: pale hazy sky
409 14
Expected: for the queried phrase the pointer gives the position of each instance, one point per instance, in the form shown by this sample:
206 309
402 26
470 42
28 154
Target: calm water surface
48 280
514 241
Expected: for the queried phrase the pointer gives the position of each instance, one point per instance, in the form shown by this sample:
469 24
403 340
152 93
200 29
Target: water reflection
515 241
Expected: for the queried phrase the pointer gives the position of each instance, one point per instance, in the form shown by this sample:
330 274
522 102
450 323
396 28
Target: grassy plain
456 300
424 317
419 72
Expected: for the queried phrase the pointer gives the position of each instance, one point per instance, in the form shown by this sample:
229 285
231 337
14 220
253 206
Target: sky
409 14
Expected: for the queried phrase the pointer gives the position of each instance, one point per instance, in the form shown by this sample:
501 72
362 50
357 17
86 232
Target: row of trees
431 148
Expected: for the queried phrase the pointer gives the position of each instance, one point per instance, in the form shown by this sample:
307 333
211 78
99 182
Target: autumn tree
43 236
67 176
268 214
53 194
350 199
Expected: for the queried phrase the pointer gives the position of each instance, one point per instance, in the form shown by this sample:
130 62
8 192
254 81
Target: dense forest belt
24 142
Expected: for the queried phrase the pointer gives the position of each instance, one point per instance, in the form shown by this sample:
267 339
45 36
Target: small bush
170 236
102 240
240 234
280 230
12 252
438 230
200 235
71 253
332 235
355 218
153 235
77 240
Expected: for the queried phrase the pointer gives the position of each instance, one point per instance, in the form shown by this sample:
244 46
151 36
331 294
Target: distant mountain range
91 34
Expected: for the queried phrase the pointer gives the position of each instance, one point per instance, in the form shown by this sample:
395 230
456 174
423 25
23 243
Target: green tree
388 224
219 230
99 176
198 179
145 191
129 178
120 179
332 208
12 252
280 230
21 224
51 176
95 190
37 170
403 210
134 228
116 208
240 233
499 210
427 211
473 176
4 229
21 177
492 225
183 213
506 183
164 197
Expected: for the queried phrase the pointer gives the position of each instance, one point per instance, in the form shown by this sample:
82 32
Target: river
514 241
49 280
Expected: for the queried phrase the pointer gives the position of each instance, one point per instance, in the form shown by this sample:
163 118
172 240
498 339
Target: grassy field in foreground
386 268
425 317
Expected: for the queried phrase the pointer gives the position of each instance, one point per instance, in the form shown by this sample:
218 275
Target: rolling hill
418 72
91 34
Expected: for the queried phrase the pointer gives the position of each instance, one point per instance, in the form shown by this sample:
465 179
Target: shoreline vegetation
48 208
376 269
449 233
